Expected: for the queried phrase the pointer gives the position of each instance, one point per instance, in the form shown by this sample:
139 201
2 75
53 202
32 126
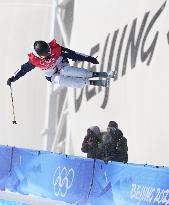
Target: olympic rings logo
62 181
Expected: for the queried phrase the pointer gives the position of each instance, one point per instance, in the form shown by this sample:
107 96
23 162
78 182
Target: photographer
91 142
114 144
121 147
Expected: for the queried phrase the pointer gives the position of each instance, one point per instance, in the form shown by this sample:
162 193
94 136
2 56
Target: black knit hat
113 124
95 130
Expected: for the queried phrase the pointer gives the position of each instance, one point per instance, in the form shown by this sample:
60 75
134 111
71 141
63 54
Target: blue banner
130 184
80 181
6 202
5 164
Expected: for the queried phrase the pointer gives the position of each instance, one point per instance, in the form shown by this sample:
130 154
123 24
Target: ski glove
10 80
92 60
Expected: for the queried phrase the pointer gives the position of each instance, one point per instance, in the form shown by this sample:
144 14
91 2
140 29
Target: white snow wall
131 37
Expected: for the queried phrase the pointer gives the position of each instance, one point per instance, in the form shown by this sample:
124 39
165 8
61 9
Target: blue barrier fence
81 181
7 202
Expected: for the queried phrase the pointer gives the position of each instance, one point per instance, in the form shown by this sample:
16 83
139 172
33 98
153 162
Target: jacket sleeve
25 68
85 147
67 53
122 145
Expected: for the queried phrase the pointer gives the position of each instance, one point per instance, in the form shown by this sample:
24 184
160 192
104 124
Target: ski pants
71 76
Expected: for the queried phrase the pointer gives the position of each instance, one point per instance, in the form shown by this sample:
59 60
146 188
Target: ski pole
13 110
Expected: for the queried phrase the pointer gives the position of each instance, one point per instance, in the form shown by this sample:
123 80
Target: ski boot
102 83
110 74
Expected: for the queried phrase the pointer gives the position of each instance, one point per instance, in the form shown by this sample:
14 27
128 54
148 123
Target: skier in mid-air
52 59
